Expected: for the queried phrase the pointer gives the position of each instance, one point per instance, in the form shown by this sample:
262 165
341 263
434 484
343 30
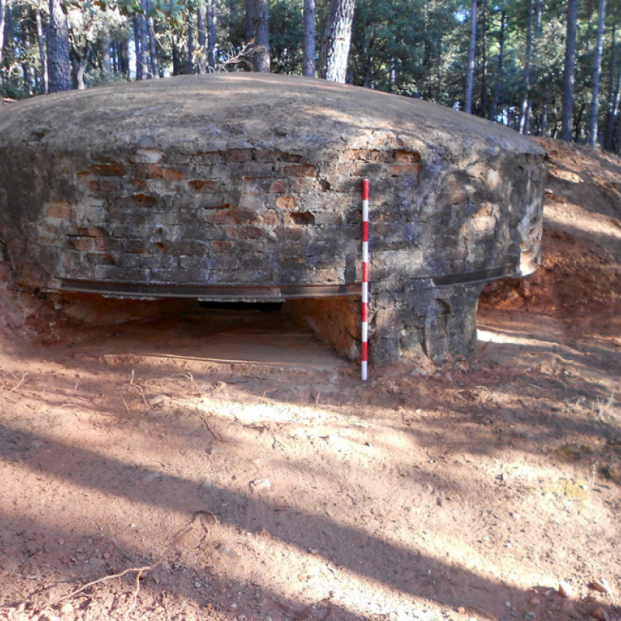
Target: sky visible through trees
543 67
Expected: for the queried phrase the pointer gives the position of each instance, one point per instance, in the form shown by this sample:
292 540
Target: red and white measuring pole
365 279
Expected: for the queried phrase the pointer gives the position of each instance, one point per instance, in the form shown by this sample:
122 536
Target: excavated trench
245 189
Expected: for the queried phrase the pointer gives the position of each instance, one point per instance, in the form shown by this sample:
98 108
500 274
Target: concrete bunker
246 188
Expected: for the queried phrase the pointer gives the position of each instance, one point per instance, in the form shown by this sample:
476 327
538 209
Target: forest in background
544 67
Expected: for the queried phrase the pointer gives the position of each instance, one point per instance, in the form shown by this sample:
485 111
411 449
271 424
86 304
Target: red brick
81 244
150 171
210 157
305 184
222 246
276 156
359 169
173 175
266 156
144 200
286 202
139 183
365 155
406 157
59 209
153 171
108 170
250 232
238 156
270 218
278 187
200 185
300 170
400 170
100 244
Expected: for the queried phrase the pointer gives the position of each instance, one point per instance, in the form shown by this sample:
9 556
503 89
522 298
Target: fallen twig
267 391
135 595
10 372
132 383
212 431
21 381
139 570
191 378
105 579
482 612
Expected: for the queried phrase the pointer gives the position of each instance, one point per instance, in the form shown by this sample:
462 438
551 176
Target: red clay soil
226 465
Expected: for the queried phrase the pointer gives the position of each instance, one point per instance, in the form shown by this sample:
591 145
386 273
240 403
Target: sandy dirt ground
225 465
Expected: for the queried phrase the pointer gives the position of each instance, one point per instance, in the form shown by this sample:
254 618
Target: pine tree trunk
105 56
308 65
613 107
249 20
2 10
578 121
501 51
41 43
124 58
143 32
262 36
611 80
202 37
484 60
534 59
190 65
337 40
153 55
472 48
114 57
145 55
78 65
212 32
27 72
393 75
544 111
368 67
525 108
570 71
175 56
597 73
59 65
232 18
137 51
589 25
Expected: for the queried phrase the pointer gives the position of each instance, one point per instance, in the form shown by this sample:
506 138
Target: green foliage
286 35
415 48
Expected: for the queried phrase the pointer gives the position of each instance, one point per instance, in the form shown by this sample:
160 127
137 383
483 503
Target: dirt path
247 465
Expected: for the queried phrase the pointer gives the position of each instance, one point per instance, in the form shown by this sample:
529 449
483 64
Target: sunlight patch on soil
583 221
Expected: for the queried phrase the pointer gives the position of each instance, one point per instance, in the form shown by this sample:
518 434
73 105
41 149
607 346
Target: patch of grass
616 446
610 473
574 490
572 453
604 410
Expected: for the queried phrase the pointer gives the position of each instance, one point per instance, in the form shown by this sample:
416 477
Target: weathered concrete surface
248 187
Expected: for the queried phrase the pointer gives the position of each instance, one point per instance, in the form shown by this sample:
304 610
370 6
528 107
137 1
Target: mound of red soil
580 279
